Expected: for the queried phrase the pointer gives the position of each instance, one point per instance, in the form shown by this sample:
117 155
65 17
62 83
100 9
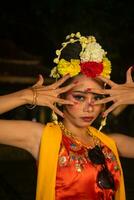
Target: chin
83 124
87 122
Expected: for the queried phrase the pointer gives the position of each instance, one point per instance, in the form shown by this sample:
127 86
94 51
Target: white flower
92 52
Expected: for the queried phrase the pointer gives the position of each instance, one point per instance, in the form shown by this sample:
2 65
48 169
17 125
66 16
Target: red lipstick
87 119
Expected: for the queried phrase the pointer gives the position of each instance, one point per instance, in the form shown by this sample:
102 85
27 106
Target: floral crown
92 59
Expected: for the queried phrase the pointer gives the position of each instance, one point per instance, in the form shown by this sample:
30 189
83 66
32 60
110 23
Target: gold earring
54 118
103 123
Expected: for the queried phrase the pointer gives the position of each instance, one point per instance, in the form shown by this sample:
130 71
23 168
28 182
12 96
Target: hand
119 93
49 95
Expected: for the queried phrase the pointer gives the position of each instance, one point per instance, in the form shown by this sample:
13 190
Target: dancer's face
83 112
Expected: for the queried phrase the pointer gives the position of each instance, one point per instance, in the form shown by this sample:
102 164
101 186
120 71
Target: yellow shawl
49 149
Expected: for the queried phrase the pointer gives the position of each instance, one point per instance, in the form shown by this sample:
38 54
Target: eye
79 97
98 96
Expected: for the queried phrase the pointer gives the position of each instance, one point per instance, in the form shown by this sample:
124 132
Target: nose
89 107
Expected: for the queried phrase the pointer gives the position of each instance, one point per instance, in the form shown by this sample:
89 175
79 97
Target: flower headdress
92 59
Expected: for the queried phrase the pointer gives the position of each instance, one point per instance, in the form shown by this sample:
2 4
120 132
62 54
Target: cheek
77 105
98 109
71 98
74 108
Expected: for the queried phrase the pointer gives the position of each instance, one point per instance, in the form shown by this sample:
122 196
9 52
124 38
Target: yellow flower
64 67
64 44
91 39
83 40
106 68
54 73
72 35
72 40
56 60
58 52
78 35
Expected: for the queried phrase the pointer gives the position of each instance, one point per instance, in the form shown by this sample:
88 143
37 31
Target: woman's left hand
120 94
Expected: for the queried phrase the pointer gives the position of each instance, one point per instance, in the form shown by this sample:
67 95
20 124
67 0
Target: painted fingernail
103 114
75 102
75 82
72 103
38 77
132 68
88 89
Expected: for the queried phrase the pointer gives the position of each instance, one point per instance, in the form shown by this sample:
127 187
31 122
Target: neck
75 130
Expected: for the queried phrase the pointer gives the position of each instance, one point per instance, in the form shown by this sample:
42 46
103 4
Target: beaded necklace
66 132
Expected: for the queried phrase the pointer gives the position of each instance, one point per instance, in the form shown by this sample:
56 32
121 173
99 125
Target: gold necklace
96 141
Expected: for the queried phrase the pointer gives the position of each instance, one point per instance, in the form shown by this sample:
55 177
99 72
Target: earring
103 123
54 118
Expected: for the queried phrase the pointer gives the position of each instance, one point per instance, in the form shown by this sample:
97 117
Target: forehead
86 82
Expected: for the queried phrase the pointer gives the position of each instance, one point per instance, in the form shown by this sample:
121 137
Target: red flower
91 69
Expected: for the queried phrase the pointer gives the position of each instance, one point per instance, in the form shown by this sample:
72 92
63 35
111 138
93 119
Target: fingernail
75 82
75 102
132 68
72 103
38 76
88 89
103 114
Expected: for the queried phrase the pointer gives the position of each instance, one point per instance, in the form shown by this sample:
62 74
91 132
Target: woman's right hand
50 95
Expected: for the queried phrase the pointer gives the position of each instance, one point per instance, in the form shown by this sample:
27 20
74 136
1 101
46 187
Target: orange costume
65 172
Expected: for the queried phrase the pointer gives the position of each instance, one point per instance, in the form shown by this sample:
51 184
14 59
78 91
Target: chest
76 172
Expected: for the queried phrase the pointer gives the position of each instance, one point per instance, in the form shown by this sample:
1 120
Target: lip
87 119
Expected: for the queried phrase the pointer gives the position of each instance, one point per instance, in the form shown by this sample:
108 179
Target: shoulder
104 137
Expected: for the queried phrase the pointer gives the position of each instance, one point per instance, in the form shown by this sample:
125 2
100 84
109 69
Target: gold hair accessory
34 102
92 59
103 123
54 117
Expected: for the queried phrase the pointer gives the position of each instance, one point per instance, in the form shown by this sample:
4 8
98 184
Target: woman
75 161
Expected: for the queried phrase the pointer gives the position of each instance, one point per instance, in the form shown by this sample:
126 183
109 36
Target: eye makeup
81 95
78 97
98 96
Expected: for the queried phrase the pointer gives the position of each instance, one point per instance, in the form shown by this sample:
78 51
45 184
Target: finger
100 91
110 109
105 100
129 75
56 110
63 101
66 88
112 91
107 81
61 81
40 81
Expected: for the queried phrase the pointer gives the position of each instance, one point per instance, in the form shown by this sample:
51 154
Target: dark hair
71 51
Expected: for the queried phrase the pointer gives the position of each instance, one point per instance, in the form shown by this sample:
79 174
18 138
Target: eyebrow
83 92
